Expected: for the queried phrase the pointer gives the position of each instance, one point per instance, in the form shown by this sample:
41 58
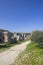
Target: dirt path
8 57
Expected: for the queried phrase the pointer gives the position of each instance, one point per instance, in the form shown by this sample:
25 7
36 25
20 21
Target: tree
37 36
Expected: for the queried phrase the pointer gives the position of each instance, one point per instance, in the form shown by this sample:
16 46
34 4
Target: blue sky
21 15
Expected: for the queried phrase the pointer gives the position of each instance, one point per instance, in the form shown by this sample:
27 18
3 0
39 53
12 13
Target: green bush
37 36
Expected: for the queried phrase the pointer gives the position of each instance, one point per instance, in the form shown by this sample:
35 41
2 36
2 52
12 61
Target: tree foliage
37 36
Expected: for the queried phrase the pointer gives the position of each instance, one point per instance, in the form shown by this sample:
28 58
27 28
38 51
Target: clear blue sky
21 15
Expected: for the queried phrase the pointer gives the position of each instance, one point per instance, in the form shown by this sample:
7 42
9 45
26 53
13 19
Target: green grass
32 55
6 46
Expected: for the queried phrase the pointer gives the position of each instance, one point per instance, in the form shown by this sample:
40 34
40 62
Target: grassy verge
32 55
7 46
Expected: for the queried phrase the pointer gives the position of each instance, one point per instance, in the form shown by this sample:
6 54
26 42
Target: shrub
37 36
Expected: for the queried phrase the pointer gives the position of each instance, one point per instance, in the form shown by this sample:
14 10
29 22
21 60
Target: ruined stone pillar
5 37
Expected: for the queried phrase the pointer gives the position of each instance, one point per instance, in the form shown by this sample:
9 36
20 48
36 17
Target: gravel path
8 57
